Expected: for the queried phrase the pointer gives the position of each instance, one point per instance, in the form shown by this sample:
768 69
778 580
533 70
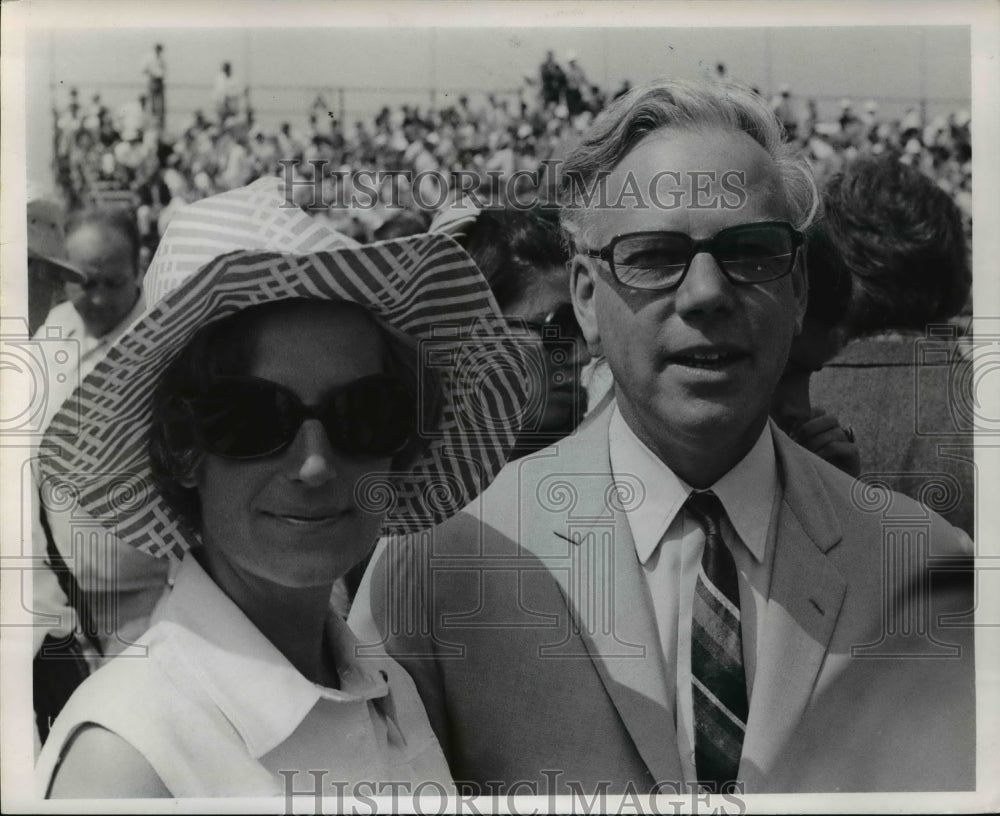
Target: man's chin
710 424
97 329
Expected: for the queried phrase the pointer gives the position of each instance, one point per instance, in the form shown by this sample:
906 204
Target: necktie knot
707 510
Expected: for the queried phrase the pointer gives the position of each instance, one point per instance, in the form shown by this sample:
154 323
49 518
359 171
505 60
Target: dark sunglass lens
243 420
373 417
651 261
756 254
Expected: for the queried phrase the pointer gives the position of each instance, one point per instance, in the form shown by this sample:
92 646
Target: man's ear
582 284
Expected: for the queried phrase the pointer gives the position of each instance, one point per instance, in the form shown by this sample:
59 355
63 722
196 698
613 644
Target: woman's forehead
325 341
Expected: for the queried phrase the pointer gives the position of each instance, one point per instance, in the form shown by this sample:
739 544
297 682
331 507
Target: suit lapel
607 597
806 594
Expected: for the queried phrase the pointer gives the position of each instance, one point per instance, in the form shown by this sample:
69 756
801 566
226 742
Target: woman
523 258
261 418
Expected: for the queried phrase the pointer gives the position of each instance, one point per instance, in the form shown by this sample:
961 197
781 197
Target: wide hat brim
63 268
427 287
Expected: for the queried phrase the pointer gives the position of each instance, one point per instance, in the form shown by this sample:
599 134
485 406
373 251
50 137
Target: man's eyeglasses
252 418
747 254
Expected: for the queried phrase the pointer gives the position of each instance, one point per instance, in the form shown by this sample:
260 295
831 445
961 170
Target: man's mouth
709 360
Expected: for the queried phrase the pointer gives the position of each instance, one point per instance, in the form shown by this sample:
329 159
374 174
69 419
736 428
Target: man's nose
705 288
312 459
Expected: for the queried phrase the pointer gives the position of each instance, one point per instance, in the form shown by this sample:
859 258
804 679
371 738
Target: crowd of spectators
127 153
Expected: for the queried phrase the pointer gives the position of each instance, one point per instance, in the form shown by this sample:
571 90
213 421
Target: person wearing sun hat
48 266
263 422
121 586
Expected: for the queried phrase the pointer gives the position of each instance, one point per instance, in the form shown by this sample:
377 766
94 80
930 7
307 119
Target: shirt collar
747 491
70 321
252 683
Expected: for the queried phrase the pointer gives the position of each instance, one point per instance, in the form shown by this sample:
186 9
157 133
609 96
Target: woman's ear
188 467
582 282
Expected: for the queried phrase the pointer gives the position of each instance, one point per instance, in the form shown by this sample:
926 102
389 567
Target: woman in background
523 258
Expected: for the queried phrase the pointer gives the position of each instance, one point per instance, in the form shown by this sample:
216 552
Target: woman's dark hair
901 239
223 348
402 225
515 247
117 219
829 280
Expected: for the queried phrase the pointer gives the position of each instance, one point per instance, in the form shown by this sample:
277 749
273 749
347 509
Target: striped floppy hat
426 287
258 216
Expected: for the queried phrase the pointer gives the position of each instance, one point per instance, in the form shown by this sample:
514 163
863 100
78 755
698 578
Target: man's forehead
697 147
681 178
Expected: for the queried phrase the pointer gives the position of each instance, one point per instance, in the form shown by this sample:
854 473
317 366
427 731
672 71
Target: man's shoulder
62 321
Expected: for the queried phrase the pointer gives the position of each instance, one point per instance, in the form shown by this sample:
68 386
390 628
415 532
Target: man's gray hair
684 105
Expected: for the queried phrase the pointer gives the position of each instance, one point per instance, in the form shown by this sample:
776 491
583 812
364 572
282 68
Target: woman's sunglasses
251 418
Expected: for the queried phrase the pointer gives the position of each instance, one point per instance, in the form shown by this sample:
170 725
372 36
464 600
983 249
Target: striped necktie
718 681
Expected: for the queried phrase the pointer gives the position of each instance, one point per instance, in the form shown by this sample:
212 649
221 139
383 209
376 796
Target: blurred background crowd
125 156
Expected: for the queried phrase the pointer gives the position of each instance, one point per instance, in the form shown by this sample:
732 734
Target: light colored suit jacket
528 628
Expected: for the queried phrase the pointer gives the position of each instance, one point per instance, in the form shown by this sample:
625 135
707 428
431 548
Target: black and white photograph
360 454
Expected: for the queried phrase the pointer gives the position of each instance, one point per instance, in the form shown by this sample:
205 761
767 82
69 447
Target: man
58 663
226 93
155 70
678 593
48 269
98 265
576 85
553 80
104 245
784 109
119 586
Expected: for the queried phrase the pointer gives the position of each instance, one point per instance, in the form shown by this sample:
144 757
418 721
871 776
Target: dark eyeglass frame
696 247
296 413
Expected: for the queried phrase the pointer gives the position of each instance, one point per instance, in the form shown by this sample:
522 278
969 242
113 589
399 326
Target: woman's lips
308 519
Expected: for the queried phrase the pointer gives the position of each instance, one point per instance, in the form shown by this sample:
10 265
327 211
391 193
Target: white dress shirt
669 545
64 331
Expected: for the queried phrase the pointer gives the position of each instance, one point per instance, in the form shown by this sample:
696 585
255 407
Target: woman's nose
312 456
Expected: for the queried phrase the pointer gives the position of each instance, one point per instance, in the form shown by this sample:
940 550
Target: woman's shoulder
83 770
153 710
96 727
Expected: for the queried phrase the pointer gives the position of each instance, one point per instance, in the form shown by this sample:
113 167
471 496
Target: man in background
49 270
155 70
